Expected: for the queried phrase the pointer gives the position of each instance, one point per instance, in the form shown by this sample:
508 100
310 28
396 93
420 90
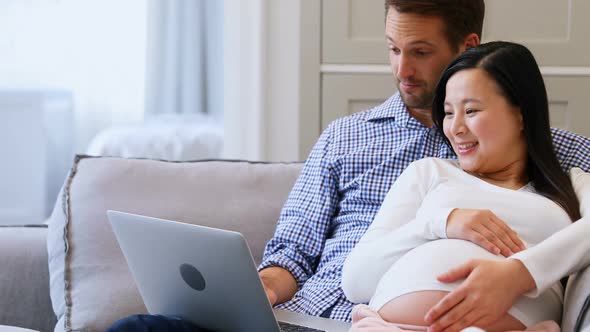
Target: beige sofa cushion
24 295
90 284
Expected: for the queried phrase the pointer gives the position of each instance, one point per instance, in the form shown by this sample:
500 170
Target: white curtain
89 57
184 63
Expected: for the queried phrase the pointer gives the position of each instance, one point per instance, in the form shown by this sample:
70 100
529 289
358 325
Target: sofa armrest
24 278
577 293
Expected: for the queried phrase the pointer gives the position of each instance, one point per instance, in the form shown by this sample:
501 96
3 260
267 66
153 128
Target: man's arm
565 252
292 255
572 150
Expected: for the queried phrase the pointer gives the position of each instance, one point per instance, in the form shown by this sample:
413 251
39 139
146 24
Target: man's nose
405 68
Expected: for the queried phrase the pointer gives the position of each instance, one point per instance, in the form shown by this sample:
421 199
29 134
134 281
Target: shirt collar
394 108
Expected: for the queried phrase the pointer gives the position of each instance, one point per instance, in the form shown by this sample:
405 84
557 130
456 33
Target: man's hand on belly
485 229
486 295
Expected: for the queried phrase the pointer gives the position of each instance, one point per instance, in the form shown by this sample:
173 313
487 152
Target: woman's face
484 128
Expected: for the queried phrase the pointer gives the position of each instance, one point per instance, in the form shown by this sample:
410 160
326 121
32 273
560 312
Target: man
358 158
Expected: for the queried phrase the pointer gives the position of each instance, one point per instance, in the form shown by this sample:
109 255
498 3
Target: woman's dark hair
515 71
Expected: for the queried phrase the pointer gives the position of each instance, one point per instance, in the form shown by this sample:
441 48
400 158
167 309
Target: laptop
204 275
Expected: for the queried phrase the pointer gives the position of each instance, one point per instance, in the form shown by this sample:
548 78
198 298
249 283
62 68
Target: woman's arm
562 254
566 251
393 232
479 226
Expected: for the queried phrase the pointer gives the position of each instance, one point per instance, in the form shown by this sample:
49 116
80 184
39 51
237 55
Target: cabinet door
353 32
344 94
569 103
555 31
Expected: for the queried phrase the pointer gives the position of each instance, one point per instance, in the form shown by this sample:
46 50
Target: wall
283 69
244 56
266 113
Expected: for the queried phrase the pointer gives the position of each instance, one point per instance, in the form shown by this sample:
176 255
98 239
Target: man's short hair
461 17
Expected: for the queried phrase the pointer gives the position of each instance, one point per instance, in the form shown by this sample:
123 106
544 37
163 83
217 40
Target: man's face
418 53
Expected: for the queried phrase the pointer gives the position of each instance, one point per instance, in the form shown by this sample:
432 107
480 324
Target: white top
400 240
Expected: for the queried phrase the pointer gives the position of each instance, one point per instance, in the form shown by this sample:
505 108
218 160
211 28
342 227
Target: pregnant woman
491 104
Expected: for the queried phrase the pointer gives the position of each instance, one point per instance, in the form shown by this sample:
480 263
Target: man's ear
470 41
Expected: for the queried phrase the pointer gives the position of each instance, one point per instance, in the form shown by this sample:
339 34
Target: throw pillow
90 284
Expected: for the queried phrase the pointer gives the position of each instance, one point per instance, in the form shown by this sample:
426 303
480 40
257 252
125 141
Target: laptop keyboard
288 327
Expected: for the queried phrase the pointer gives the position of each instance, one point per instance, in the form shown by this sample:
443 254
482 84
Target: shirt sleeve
435 222
394 231
306 216
572 150
565 252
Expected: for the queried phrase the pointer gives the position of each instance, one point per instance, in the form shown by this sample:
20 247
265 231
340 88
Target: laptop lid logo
193 277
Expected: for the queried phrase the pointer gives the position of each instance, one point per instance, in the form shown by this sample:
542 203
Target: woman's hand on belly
485 229
485 296
409 309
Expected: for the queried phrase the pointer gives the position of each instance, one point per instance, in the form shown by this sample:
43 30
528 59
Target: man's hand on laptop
279 284
272 296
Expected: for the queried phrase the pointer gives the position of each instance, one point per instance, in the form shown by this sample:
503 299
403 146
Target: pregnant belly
412 307
409 288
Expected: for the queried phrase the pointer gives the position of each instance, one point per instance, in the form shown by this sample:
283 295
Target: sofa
69 274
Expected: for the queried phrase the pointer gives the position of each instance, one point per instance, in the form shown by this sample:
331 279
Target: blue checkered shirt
340 189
